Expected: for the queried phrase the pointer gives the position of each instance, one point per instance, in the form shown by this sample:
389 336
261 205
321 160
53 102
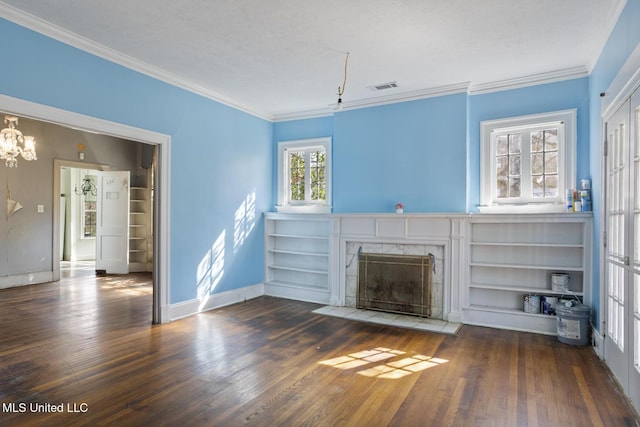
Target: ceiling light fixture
87 187
10 137
344 84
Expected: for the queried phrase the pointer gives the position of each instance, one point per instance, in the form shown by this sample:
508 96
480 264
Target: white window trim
567 154
284 204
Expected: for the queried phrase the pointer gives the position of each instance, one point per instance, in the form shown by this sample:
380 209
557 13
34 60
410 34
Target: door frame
161 211
58 165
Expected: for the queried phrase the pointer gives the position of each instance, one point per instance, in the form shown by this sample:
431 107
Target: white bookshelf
140 230
511 256
297 256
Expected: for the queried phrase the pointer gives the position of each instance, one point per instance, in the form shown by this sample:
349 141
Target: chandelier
10 140
87 187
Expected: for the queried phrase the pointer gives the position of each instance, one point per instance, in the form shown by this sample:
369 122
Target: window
304 175
88 207
527 162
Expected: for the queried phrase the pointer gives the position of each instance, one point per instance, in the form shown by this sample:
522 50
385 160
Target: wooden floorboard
86 343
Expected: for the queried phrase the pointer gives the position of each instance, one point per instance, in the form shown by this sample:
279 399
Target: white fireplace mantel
322 241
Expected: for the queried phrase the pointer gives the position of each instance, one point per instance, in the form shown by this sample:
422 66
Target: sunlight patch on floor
384 367
128 286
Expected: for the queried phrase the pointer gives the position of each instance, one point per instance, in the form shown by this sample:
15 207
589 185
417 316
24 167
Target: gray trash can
573 323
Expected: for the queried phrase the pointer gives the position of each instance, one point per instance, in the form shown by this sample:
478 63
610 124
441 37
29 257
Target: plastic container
573 323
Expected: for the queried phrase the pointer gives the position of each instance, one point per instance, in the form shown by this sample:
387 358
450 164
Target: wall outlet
40 208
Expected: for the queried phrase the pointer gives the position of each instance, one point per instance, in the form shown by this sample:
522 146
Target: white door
622 269
112 222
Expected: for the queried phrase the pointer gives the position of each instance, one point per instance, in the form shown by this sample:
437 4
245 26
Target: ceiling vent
383 86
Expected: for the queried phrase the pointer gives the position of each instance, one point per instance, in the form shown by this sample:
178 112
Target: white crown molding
62 35
531 80
301 115
377 101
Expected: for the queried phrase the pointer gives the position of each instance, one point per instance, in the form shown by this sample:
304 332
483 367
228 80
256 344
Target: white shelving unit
297 256
140 234
511 256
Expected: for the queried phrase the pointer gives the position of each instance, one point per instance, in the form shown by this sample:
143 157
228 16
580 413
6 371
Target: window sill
555 208
312 209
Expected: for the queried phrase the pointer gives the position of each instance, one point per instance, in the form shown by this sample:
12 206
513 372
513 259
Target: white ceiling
279 57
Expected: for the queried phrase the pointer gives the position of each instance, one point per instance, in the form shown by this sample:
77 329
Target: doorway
78 203
161 216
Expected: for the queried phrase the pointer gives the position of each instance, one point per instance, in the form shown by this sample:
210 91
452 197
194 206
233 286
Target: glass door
622 262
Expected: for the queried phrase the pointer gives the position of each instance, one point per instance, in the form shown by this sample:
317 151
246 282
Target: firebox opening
395 283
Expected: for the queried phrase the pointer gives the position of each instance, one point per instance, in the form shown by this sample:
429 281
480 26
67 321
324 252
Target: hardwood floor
85 346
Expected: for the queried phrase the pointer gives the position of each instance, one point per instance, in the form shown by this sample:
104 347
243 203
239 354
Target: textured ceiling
278 57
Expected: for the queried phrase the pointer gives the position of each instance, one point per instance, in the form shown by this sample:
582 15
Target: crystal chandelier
10 140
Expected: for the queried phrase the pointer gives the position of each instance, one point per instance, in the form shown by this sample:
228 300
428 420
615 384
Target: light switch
40 208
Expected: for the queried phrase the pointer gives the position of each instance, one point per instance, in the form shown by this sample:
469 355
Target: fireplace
395 283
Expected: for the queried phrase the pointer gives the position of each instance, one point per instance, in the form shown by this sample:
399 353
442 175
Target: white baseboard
26 279
195 306
598 342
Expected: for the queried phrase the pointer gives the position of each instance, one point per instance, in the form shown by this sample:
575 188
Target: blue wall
623 40
412 152
221 159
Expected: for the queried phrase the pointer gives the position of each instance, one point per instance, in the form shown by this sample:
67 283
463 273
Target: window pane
536 142
551 186
514 165
502 145
551 140
502 163
317 167
501 187
514 187
296 170
537 186
551 162
537 164
90 224
514 144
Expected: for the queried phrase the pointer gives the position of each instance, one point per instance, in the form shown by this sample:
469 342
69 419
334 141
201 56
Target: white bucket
532 304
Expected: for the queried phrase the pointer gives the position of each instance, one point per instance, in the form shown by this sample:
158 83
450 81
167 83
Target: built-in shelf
297 256
511 256
140 230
